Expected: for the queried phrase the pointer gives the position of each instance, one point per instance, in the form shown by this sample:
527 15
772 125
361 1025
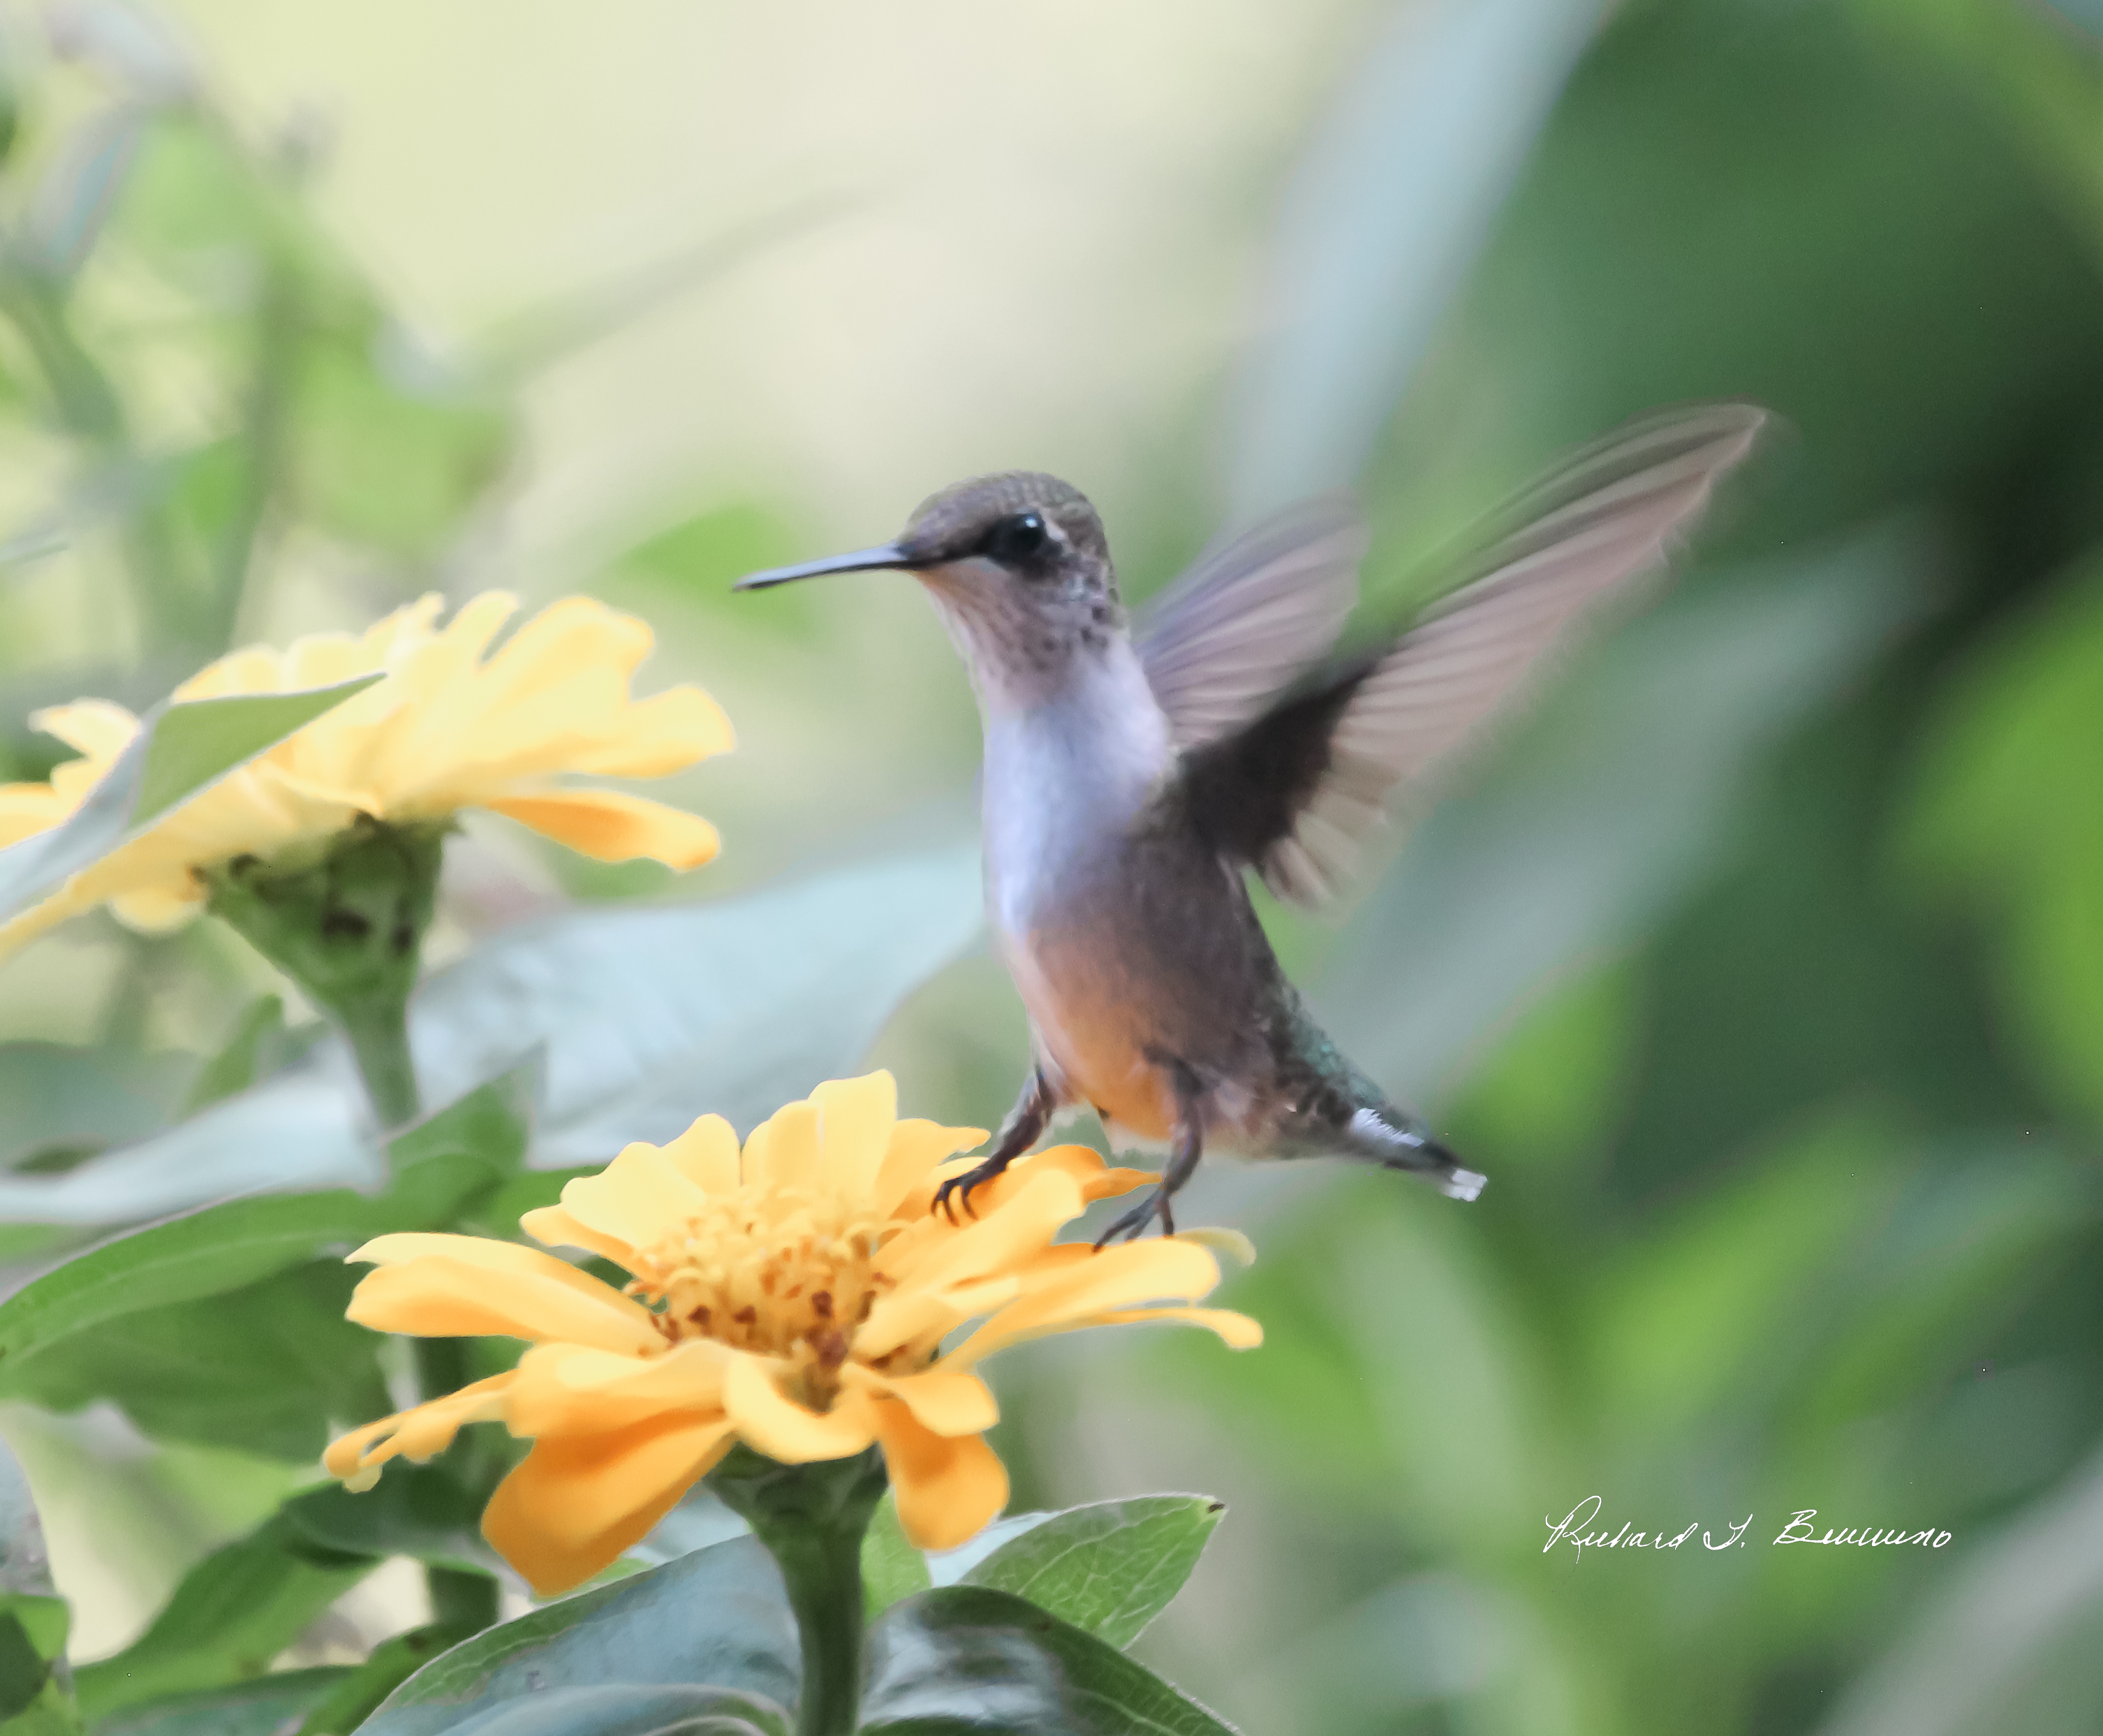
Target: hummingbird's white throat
1025 642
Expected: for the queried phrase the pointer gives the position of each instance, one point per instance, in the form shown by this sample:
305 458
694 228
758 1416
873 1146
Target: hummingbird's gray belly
1146 959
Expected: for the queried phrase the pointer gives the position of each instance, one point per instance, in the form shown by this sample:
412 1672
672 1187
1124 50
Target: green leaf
258 1046
353 1699
1109 1568
440 1165
969 1661
261 1370
717 1616
42 1619
654 1015
36 1698
66 1104
180 749
624 1709
649 1017
413 1509
233 1611
265 1706
24 1670
891 1568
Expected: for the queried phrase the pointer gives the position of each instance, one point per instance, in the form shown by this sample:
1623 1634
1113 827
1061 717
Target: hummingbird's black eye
1016 538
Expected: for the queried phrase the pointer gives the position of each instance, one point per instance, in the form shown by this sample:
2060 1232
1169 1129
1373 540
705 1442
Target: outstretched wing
1250 614
1291 792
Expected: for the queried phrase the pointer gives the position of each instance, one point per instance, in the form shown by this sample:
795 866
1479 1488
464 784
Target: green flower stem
460 1601
811 1518
378 1033
345 922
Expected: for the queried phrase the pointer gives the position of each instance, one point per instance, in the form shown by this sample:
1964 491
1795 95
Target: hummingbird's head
1019 569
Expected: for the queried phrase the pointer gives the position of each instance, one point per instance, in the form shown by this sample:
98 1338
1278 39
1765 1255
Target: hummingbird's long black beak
862 560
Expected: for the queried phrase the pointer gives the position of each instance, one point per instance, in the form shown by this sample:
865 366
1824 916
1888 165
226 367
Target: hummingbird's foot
1032 1110
1133 1226
960 1186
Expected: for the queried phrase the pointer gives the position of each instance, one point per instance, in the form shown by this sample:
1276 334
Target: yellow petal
664 733
1229 1245
782 1429
706 1154
556 1227
916 1149
907 1315
507 1258
782 1152
855 1117
641 1197
576 1501
1025 1222
158 910
437 1296
1114 1279
95 727
949 1488
566 1389
944 1401
417 1433
1240 1332
610 826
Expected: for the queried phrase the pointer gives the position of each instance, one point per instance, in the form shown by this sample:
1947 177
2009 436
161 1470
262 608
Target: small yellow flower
796 1298
448 729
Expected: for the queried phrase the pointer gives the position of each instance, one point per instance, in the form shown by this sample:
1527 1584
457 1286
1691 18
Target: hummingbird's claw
960 1186
1133 1224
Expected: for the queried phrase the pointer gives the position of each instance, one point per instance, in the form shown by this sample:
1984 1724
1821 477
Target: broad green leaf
649 1017
964 1659
652 1017
180 749
440 1165
264 1706
623 1709
891 1568
258 1046
66 1104
233 1611
262 1370
413 1509
351 1699
718 1616
1109 1568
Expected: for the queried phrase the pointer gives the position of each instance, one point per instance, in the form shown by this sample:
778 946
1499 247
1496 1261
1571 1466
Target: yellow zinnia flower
446 729
796 1298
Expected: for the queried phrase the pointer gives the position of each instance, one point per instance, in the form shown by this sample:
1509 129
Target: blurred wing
1292 791
1250 615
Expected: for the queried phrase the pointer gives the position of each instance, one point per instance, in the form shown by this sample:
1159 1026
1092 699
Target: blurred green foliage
1762 969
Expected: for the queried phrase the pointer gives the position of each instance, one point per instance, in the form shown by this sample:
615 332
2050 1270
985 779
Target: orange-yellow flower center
780 1272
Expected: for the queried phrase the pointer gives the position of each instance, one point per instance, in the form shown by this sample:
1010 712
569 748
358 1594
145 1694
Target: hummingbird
1134 775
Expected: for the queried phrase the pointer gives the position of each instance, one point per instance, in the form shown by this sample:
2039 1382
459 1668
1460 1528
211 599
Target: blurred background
1761 967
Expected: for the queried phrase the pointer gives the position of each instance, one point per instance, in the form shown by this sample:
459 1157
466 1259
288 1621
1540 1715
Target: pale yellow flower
796 1296
447 728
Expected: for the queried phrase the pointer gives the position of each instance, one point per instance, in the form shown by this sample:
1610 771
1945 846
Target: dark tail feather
1389 1139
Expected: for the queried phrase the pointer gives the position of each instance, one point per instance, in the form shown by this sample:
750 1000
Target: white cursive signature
1575 1528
